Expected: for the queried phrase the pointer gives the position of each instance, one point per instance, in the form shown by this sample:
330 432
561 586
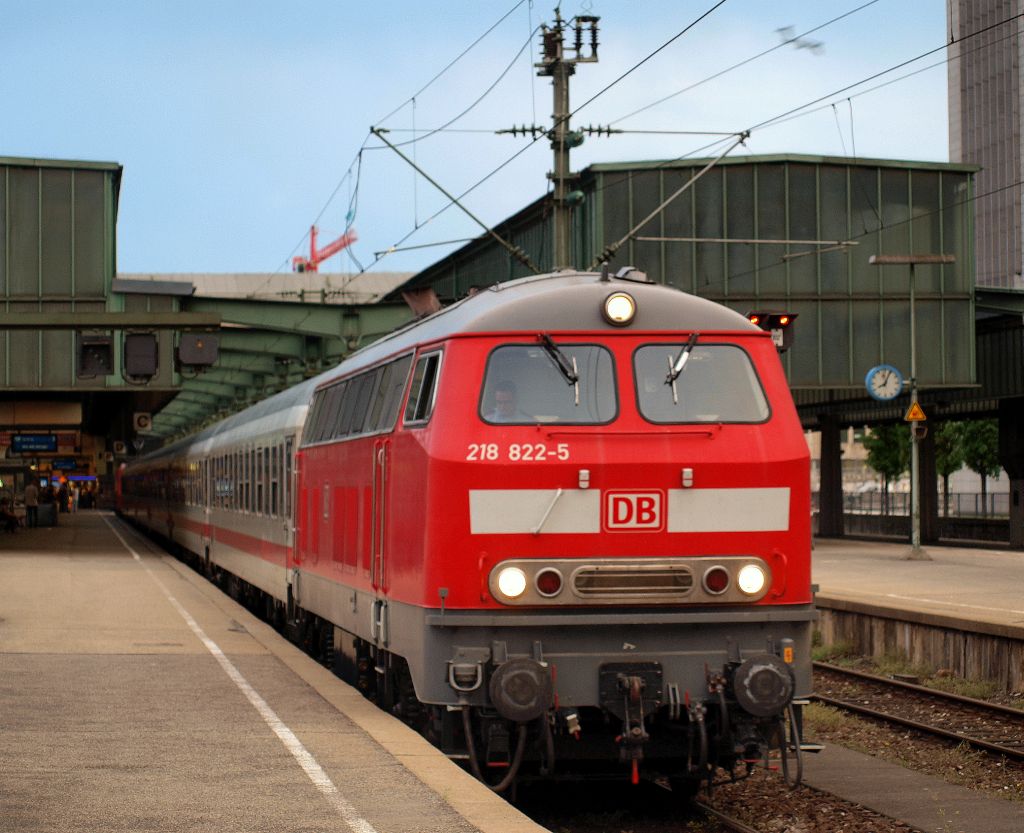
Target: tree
888 448
949 456
980 438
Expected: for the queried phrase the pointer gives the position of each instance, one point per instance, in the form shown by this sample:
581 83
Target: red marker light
716 580
549 582
784 320
755 319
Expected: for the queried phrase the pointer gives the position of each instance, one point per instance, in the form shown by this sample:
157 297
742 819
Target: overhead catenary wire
482 96
744 62
358 156
802 111
537 138
609 251
515 251
648 57
791 113
452 63
395 247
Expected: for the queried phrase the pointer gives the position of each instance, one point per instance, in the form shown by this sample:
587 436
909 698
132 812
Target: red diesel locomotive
562 523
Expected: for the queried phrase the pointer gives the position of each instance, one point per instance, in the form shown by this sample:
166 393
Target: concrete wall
988 652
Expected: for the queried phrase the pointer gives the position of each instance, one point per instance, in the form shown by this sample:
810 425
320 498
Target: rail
991 727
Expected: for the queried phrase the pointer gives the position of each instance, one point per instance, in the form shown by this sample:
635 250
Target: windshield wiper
676 367
566 365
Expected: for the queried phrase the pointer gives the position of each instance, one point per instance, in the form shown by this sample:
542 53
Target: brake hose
517 758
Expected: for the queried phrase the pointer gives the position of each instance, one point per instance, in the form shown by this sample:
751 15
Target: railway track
996 729
726 821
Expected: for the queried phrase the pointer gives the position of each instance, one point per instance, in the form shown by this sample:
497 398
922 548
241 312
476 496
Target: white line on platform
309 764
952 604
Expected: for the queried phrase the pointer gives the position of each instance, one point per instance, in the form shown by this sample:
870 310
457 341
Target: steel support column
929 485
1011 458
830 490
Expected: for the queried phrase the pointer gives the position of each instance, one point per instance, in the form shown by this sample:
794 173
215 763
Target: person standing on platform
31 504
49 497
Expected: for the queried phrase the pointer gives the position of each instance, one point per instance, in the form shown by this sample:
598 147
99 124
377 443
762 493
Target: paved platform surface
135 696
975 585
927 803
973 588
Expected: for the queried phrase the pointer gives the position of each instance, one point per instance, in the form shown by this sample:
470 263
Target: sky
240 123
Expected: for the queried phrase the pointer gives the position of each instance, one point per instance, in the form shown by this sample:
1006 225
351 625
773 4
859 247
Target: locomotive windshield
719 385
523 385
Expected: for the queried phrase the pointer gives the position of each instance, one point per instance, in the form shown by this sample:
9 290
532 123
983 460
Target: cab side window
424 390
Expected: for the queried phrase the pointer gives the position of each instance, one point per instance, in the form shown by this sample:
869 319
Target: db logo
640 511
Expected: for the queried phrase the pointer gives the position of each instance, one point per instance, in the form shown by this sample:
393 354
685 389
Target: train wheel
409 708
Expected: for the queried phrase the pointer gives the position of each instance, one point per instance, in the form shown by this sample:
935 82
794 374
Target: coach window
388 397
313 415
717 383
423 391
267 503
258 508
289 445
564 382
353 409
275 480
380 385
243 480
333 406
251 453
375 388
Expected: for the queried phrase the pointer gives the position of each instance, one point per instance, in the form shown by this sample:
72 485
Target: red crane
316 257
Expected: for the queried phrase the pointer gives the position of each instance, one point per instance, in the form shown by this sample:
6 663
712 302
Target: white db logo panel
634 511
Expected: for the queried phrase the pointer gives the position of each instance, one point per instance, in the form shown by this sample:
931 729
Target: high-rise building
985 88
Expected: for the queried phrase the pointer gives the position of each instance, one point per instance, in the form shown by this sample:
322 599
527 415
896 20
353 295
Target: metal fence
961 504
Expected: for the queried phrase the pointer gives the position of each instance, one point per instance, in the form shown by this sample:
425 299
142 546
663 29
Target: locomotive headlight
512 582
751 579
619 308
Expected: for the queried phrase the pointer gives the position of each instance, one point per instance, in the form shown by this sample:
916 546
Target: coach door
206 472
287 491
378 551
381 449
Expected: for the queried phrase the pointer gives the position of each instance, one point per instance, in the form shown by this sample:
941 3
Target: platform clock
884 382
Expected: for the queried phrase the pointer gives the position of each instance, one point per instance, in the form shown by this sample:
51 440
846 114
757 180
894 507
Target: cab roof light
619 309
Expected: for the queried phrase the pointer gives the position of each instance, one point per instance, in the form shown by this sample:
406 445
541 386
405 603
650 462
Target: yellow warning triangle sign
915 413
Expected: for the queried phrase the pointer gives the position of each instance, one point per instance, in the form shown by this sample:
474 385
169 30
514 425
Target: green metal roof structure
59 283
784 232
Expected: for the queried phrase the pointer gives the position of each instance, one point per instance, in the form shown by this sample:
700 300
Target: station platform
980 587
970 590
135 696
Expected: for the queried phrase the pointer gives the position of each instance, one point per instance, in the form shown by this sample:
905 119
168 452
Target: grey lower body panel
576 650
575 644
